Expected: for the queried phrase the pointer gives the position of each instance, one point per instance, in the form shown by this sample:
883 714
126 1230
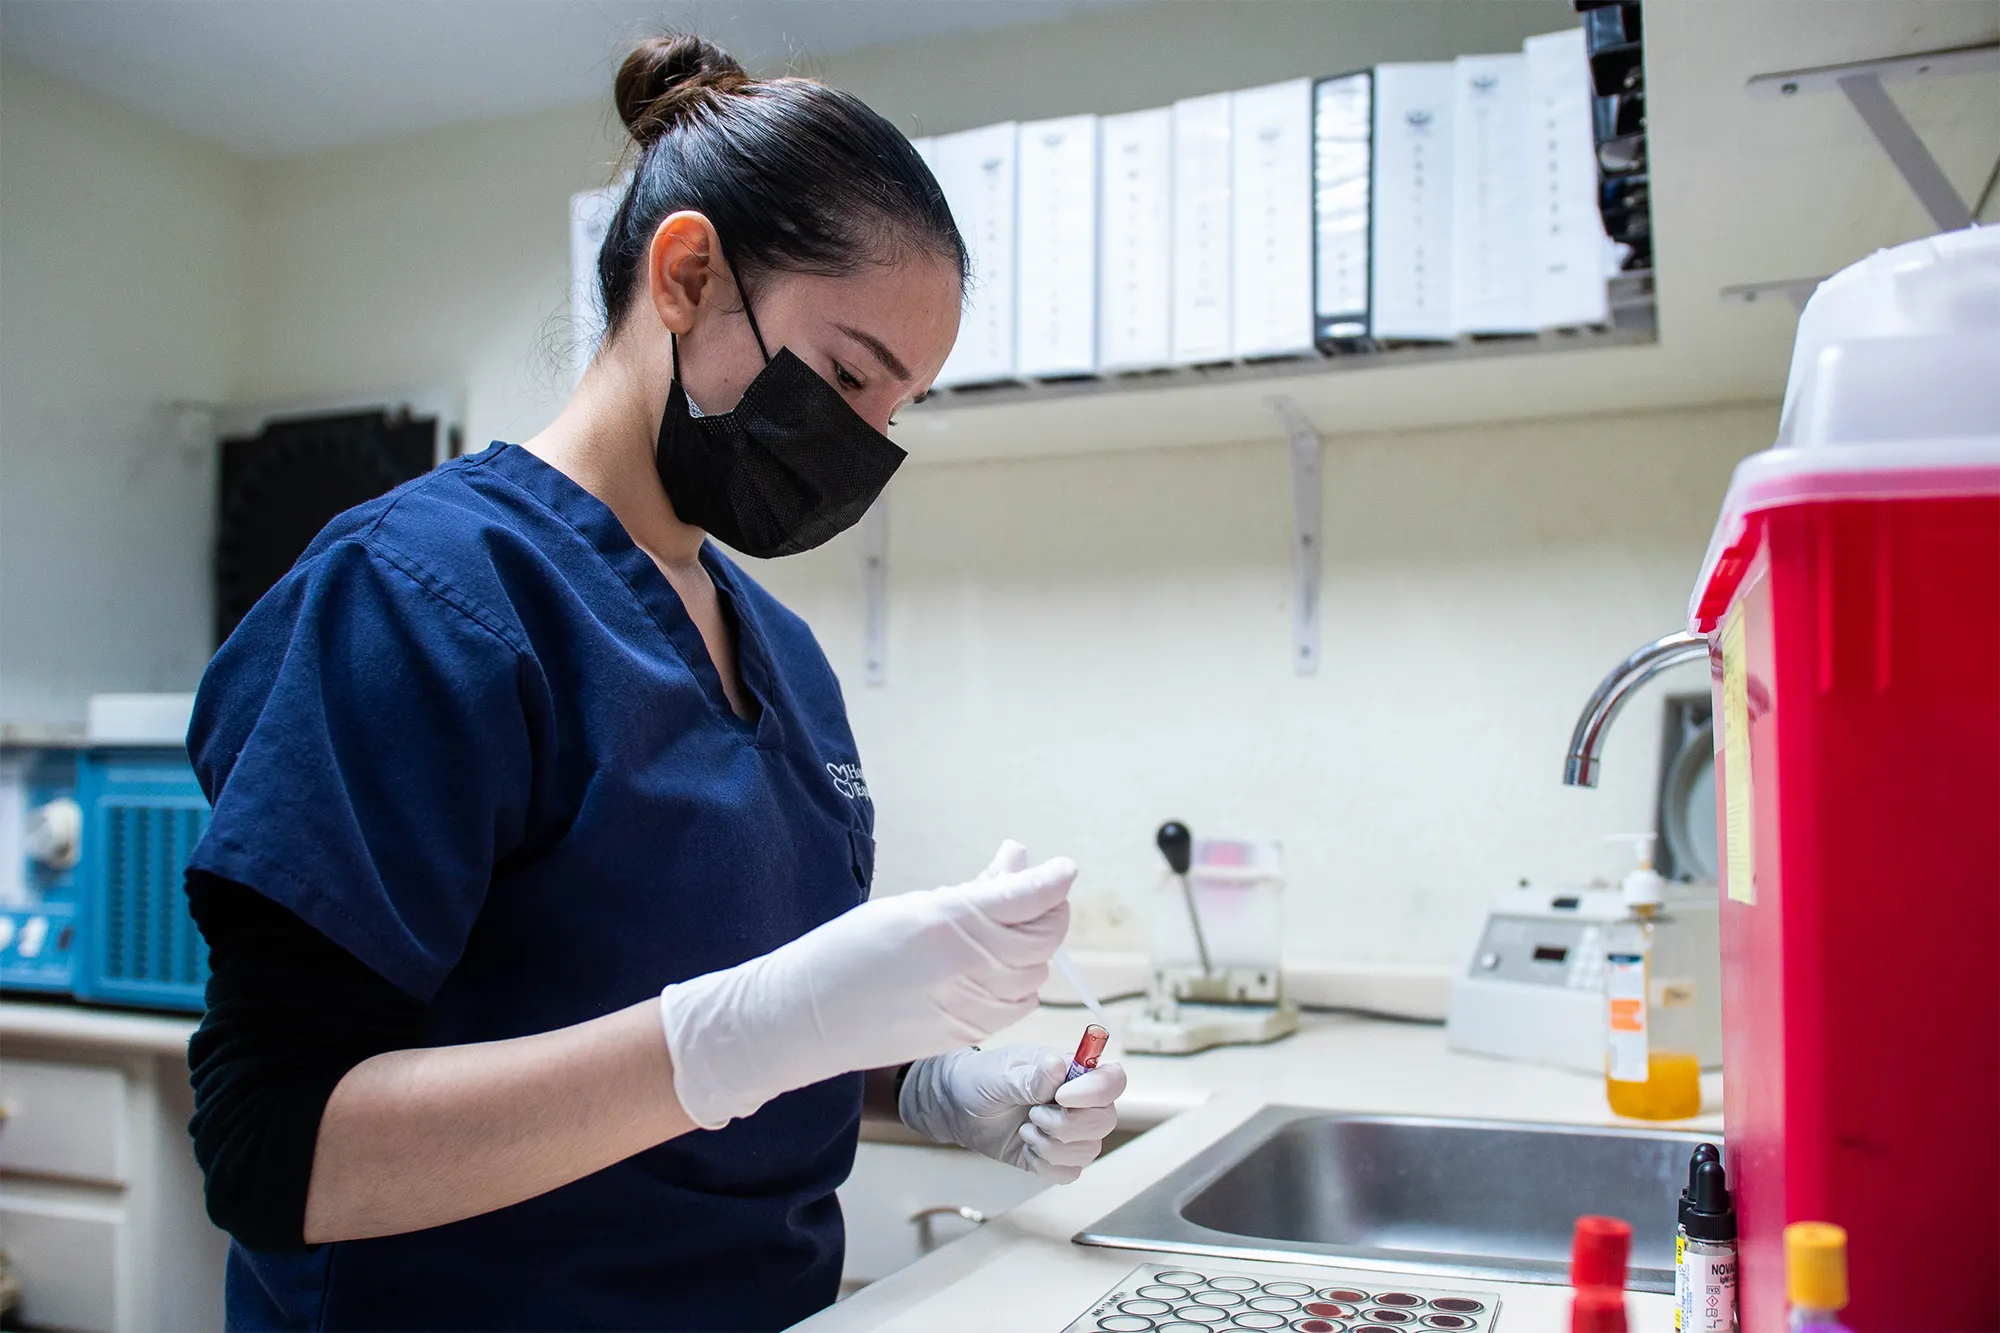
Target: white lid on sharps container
1891 394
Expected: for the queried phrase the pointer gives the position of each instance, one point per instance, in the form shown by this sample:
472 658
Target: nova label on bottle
1708 1295
1625 994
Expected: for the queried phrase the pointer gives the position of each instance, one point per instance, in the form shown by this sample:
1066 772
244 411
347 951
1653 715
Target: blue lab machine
95 834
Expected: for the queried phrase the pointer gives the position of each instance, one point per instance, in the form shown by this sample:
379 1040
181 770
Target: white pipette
1074 976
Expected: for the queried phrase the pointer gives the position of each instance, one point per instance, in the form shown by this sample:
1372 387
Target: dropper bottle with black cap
1703 1152
1708 1297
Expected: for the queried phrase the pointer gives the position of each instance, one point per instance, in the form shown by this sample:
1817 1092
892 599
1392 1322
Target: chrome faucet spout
1586 743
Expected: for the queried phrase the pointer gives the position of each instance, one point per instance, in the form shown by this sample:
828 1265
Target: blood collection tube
1088 1052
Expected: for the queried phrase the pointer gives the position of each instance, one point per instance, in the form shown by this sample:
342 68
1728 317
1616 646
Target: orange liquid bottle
1648 1073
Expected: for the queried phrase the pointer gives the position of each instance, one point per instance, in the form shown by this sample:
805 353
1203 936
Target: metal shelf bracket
1303 443
874 532
1861 82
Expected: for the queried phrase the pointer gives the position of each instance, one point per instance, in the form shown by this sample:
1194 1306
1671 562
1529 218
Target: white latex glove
1011 1104
894 980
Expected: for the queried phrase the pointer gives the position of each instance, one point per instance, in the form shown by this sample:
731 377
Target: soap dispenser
1651 1070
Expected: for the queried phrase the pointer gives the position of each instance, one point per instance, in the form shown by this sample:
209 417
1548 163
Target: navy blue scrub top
474 738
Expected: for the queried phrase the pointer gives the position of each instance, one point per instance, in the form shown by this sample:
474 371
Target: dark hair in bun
794 175
668 77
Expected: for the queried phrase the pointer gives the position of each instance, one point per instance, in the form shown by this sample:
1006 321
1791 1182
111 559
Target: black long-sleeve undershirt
289 1013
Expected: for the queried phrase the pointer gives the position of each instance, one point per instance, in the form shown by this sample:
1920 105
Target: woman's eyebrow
890 361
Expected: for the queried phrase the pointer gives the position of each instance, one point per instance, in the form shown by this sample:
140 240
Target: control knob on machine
53 838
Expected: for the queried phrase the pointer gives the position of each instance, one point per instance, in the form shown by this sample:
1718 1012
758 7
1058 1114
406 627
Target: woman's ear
684 268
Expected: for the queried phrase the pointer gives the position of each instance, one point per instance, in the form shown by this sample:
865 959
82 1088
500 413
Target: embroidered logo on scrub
847 780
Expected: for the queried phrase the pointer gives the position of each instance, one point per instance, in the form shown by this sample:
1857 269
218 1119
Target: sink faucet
1586 743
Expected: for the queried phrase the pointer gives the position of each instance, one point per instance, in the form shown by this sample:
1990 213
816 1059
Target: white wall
1080 646
1083 647
121 295
439 258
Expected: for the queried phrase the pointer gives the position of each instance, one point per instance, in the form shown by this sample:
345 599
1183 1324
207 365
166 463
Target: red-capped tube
1088 1052
1598 1252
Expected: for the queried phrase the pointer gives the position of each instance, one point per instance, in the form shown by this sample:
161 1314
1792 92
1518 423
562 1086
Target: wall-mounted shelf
1442 383
1633 323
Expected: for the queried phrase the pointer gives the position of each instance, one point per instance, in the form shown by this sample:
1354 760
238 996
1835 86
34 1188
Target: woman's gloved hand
894 980
1011 1104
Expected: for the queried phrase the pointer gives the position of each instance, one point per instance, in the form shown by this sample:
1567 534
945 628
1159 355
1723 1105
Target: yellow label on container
1738 809
1680 1274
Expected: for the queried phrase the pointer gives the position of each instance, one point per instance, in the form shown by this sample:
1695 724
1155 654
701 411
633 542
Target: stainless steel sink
1472 1198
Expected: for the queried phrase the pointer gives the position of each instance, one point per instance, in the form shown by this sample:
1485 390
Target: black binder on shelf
1343 179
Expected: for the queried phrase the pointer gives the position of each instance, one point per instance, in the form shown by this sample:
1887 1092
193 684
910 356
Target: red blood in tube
1089 1051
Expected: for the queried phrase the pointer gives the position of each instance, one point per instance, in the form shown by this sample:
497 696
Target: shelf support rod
1906 149
875 593
1303 443
1861 82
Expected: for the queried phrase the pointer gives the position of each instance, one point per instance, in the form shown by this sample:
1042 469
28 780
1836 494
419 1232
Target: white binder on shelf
1491 267
1566 234
976 170
1056 244
590 214
1410 268
1135 231
1343 140
1201 221
1271 220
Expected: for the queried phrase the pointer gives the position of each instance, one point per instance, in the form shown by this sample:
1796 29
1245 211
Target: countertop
1351 1061
109 1030
1020 1273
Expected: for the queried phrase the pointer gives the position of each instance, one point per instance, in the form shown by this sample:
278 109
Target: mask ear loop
755 332
748 313
674 342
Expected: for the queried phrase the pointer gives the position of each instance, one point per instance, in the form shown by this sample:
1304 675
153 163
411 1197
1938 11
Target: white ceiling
272 78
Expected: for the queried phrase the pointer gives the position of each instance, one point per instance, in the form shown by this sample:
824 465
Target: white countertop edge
103 1029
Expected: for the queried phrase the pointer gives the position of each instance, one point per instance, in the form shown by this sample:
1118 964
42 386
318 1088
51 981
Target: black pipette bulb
1703 1152
1176 844
1711 1212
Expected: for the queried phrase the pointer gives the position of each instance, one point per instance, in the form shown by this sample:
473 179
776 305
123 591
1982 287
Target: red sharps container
1851 600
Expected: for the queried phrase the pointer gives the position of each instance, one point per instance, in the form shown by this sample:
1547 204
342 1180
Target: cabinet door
894 1183
63 1120
65 1256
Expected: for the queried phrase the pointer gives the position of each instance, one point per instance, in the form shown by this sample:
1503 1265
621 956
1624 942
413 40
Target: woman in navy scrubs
515 747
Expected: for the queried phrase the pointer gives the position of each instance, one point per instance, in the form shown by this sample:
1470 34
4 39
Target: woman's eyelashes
846 378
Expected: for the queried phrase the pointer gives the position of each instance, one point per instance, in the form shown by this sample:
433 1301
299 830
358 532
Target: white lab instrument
1566 232
1343 146
1491 270
1271 220
1533 989
1201 222
1135 246
1216 934
976 169
1410 267
1056 245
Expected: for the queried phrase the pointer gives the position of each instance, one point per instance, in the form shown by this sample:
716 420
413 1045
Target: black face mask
788 468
